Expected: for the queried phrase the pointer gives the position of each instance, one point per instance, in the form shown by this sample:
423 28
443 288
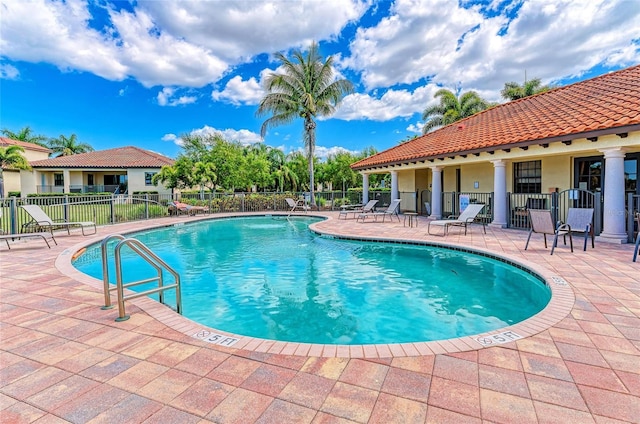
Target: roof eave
548 140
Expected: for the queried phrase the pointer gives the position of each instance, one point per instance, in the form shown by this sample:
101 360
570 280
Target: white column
66 177
613 228
365 188
436 192
499 193
394 185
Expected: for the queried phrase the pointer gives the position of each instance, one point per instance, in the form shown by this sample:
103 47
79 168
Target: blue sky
145 72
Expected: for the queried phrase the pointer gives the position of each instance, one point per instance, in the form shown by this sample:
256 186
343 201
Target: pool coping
559 306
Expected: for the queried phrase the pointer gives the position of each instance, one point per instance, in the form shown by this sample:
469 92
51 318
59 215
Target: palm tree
514 91
67 146
11 156
306 90
26 135
452 109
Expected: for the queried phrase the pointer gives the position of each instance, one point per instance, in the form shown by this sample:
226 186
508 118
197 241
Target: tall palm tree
515 91
26 135
307 89
451 108
67 146
11 156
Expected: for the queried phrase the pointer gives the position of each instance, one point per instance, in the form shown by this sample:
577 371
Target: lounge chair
41 221
467 217
580 220
390 212
177 208
43 236
346 210
542 223
296 205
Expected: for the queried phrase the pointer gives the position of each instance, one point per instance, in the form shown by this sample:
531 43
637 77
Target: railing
152 259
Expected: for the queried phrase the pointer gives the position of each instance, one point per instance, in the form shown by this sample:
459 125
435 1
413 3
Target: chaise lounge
390 212
467 217
369 207
42 222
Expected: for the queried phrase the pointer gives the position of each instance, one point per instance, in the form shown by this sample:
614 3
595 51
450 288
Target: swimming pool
273 278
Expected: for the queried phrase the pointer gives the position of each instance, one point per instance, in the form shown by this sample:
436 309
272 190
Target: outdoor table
413 218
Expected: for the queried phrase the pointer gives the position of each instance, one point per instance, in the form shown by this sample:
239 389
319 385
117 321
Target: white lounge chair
296 205
41 221
464 220
357 210
43 236
390 212
542 223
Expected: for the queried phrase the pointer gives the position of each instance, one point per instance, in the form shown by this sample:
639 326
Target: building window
148 178
58 180
527 177
589 174
90 179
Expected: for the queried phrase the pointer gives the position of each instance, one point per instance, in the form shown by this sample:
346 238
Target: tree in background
26 135
515 91
67 146
452 108
306 90
11 157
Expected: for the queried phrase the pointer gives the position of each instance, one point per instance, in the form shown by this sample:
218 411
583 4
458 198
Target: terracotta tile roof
4 142
603 105
121 157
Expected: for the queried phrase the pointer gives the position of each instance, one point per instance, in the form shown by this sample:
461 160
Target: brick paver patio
63 359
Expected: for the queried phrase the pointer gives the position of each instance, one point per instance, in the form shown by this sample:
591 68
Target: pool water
273 278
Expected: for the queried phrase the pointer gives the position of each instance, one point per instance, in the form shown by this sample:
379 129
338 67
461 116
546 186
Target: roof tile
608 101
121 157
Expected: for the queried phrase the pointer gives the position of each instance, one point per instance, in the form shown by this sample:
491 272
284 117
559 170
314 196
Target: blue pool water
273 278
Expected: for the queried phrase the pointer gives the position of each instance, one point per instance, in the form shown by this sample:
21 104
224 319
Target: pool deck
63 359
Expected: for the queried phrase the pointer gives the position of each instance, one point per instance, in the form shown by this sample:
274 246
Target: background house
32 152
120 170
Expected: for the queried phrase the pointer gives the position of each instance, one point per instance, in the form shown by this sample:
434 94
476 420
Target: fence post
630 218
13 215
554 207
146 206
66 208
242 202
113 212
597 219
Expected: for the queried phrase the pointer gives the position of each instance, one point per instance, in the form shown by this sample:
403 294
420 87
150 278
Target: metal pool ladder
152 259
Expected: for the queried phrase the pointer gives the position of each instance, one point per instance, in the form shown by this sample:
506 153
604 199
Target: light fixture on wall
476 184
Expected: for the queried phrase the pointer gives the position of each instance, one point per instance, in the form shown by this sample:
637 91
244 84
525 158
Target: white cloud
238 92
323 153
244 137
168 97
439 39
9 72
392 104
181 43
416 127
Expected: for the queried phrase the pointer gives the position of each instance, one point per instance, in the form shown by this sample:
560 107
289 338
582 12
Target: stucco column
394 185
613 228
66 177
365 188
499 193
436 192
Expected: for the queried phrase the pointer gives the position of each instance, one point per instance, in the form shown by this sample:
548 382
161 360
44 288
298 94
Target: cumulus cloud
323 153
238 91
449 43
168 97
392 104
181 43
242 136
8 72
